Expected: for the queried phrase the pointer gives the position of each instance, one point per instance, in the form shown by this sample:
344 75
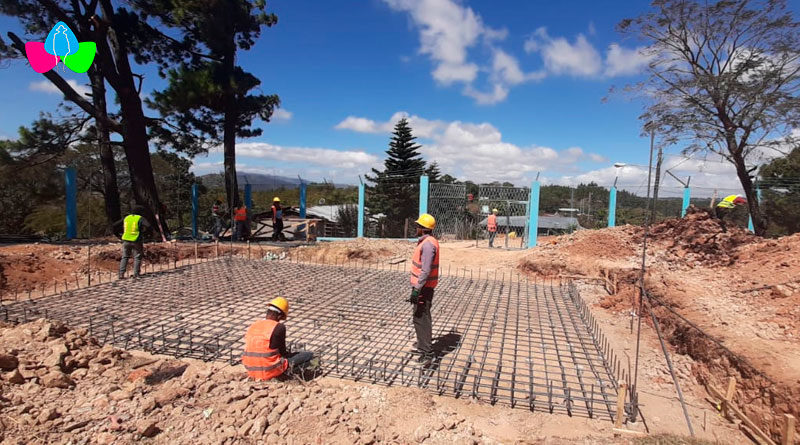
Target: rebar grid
499 339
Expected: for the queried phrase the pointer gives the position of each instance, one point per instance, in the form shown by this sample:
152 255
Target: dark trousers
217 229
277 228
127 247
423 324
721 213
241 232
298 361
491 238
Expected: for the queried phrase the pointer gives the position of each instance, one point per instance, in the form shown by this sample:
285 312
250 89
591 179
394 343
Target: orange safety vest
261 361
491 223
416 264
240 214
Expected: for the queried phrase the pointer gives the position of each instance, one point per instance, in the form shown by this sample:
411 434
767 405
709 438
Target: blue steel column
423 195
750 219
248 196
612 207
302 200
361 210
71 186
687 194
533 217
195 210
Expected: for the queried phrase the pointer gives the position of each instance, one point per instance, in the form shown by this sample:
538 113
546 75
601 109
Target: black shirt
143 225
278 339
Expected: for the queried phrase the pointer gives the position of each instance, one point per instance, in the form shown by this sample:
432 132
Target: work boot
425 358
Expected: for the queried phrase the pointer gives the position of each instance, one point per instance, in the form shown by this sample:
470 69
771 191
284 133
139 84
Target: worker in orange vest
265 356
424 278
277 219
240 219
491 226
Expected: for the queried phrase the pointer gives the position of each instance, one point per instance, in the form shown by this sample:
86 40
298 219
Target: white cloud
447 30
625 62
562 57
580 58
423 128
305 155
281 114
45 86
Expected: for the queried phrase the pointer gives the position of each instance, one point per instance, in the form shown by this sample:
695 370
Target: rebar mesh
498 338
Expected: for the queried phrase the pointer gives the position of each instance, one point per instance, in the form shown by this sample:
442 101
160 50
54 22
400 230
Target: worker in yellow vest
265 356
424 278
726 207
491 226
133 226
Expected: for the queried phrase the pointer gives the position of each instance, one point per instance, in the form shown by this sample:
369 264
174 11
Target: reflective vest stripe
260 354
265 368
240 214
131 228
415 264
491 223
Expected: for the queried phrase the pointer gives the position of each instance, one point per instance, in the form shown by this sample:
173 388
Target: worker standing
491 226
240 219
277 219
265 356
132 227
726 207
424 278
216 217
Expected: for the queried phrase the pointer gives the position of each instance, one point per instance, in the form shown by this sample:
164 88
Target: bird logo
60 45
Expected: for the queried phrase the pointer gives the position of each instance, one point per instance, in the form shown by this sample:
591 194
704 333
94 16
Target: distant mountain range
257 181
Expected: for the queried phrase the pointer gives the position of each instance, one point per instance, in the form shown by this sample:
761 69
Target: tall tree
724 75
209 95
395 192
114 31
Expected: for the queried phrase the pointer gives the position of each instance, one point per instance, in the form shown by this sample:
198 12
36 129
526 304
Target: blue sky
494 90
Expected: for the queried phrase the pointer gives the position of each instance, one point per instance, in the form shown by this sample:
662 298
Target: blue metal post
302 200
361 210
71 185
533 217
423 195
248 196
687 194
195 209
612 207
750 219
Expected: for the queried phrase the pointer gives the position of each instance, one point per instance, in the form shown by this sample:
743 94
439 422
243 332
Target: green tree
780 182
395 189
433 172
209 96
724 75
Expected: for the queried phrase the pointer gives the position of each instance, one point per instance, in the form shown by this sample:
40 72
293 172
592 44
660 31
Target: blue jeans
491 238
299 360
217 226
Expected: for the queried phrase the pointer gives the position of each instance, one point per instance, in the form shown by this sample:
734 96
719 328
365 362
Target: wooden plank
728 400
746 420
787 435
629 432
623 387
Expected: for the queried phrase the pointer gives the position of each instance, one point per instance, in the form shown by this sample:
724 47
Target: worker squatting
265 355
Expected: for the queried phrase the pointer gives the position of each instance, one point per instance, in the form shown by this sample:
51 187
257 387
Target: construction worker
277 219
240 219
132 227
265 356
726 207
216 216
424 278
491 226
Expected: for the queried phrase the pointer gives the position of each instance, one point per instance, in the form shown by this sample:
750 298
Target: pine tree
433 172
395 190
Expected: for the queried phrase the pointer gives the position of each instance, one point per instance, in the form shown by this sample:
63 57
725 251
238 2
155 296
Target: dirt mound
701 238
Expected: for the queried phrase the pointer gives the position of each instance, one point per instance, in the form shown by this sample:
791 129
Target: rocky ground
61 386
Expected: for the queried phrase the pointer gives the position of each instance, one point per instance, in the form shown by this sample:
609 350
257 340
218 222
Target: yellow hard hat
281 304
494 210
276 199
427 221
512 235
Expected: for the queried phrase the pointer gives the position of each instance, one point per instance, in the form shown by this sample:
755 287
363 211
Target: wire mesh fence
448 203
513 212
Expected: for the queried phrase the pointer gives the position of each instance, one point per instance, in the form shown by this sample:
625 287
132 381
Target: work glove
414 298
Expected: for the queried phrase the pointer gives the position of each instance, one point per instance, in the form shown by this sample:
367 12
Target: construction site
531 345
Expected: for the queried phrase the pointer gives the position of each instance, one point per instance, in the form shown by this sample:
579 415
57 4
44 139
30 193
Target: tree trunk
229 126
110 188
759 223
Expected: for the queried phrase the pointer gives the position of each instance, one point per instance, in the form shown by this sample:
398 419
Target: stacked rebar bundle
497 338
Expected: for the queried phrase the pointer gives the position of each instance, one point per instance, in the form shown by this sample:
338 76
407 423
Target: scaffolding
497 337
